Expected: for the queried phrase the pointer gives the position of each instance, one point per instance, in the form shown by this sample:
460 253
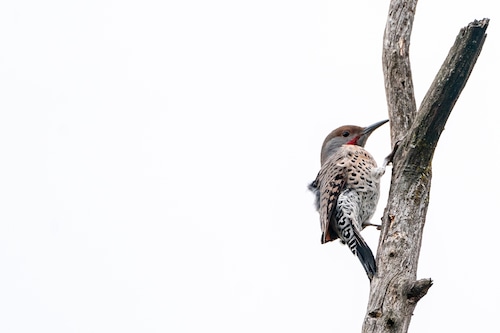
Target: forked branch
394 290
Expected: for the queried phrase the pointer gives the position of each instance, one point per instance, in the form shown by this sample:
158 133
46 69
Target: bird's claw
390 157
378 226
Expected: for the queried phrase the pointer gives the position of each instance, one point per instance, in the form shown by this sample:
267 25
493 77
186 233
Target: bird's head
347 135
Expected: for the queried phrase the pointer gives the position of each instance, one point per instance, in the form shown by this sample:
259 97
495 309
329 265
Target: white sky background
155 157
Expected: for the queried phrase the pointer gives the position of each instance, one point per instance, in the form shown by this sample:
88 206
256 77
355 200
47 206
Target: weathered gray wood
394 290
396 65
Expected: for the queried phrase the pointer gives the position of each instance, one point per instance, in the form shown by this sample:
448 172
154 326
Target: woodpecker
347 189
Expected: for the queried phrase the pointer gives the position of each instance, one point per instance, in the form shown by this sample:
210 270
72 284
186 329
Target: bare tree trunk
395 290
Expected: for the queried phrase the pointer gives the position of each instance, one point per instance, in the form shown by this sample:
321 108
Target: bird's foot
378 226
390 157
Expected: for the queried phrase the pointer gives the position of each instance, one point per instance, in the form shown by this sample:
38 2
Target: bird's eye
345 134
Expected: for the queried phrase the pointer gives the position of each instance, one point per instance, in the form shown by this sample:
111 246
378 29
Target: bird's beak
369 129
365 133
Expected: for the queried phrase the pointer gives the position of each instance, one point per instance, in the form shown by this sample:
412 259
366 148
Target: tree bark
394 291
396 65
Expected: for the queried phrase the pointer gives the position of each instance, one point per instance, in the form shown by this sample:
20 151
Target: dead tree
395 290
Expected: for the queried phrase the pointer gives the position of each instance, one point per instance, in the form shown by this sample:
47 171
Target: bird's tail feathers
365 256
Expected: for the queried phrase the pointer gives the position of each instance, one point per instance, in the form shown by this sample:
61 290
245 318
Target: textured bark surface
396 65
394 290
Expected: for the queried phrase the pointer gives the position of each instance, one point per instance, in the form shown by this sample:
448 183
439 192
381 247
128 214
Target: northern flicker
347 189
